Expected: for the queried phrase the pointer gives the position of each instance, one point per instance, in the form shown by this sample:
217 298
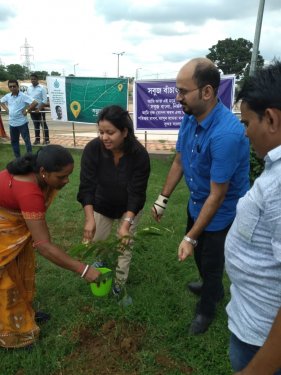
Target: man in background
17 105
213 155
39 93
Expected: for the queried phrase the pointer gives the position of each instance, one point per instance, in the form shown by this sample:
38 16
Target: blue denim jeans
15 132
240 354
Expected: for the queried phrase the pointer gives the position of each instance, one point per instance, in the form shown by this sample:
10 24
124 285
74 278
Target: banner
79 99
156 108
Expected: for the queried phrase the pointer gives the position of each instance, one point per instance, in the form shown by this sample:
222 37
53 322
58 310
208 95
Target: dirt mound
113 350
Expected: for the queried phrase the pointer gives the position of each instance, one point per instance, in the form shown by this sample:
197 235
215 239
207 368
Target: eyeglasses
183 92
12 87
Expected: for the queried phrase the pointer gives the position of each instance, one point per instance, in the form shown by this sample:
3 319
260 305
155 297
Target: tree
42 74
55 73
4 76
16 71
233 56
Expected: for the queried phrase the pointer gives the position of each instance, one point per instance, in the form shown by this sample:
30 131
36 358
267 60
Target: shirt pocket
248 215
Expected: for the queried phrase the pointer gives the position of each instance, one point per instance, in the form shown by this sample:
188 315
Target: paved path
63 134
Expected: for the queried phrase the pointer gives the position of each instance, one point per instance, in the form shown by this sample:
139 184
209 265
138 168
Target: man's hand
25 111
159 207
185 250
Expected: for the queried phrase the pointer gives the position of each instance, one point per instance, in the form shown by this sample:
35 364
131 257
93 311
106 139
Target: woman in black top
114 173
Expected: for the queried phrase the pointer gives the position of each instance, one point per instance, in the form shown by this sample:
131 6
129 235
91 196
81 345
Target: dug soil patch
113 350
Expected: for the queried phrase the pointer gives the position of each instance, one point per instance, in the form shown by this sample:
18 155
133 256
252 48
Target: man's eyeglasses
183 92
12 86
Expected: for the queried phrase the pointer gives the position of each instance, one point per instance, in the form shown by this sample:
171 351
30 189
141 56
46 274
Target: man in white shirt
253 243
39 93
17 105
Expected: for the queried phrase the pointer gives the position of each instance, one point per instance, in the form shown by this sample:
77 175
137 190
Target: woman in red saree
27 187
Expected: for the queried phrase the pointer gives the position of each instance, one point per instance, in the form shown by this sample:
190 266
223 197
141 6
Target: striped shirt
253 256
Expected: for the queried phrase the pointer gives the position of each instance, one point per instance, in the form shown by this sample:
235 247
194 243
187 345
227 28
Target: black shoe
46 142
42 317
200 324
221 297
195 287
116 290
36 142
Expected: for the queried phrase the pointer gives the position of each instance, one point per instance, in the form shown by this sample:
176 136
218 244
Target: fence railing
77 135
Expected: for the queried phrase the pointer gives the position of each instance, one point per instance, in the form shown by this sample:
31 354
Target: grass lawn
87 335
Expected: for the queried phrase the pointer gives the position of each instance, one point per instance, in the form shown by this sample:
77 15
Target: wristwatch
190 240
129 219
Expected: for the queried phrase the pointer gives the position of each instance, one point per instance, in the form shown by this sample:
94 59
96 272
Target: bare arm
209 209
5 107
124 229
40 234
90 224
30 107
268 359
173 178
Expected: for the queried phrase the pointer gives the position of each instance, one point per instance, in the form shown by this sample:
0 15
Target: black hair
53 158
121 119
207 74
13 81
57 107
263 89
33 75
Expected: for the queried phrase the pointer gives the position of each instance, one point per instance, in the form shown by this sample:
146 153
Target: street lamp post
257 39
118 55
74 68
137 73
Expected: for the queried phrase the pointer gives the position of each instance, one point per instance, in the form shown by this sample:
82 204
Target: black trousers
209 258
39 119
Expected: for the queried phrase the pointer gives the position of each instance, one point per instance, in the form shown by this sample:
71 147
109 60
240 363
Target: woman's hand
92 274
124 234
185 250
89 228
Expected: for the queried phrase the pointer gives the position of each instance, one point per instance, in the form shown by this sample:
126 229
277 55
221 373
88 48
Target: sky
88 37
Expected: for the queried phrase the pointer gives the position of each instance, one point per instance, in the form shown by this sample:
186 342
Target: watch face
190 240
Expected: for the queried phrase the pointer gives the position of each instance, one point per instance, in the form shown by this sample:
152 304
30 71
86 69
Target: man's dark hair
207 74
34 75
13 81
263 89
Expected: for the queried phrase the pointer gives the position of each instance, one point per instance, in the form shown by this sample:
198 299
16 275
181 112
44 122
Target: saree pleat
17 282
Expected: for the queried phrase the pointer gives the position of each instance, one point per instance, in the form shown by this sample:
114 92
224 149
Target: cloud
191 12
156 35
5 14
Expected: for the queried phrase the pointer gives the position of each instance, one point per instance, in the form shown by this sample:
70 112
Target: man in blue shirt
213 155
253 244
39 93
17 105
